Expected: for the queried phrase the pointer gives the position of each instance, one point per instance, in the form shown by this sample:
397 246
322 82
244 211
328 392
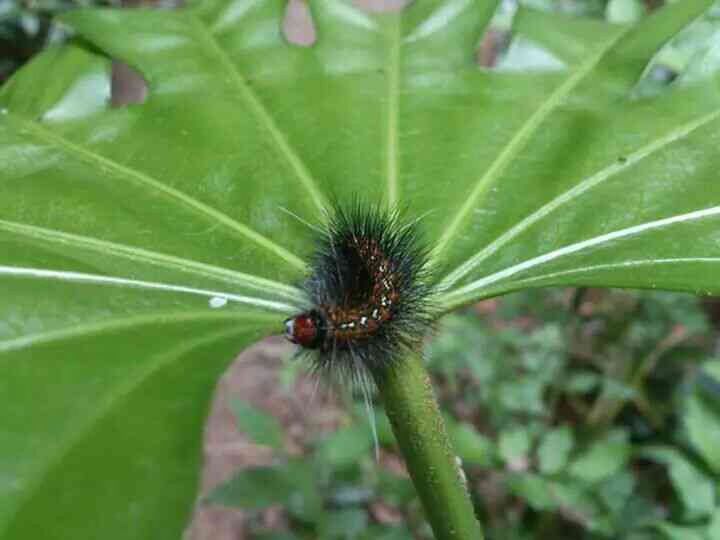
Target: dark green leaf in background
290 484
537 491
261 427
514 445
346 524
554 450
702 419
256 488
472 447
603 459
695 489
346 446
676 532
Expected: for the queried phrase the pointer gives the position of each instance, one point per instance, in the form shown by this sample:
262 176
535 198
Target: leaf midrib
265 119
393 105
125 322
98 279
459 300
518 143
451 298
631 263
168 262
577 190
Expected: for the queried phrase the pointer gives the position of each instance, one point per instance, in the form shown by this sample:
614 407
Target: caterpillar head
305 329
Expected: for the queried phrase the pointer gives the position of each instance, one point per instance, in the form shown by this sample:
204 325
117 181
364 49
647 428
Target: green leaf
399 532
571 39
712 368
385 434
555 449
394 489
582 382
676 532
255 489
346 447
522 396
702 421
306 502
534 489
713 530
616 491
695 490
261 427
276 536
94 425
345 524
624 11
470 445
289 484
574 495
603 459
142 247
514 445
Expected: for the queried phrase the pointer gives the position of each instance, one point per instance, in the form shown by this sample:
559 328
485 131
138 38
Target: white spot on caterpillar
363 321
375 313
217 302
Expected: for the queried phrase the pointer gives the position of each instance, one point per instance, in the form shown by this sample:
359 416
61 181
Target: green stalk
411 406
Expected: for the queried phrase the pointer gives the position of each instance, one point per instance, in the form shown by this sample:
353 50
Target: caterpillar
368 290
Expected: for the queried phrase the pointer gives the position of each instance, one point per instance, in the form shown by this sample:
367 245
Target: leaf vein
96 279
575 192
265 119
393 99
124 171
169 262
117 323
621 264
577 247
519 141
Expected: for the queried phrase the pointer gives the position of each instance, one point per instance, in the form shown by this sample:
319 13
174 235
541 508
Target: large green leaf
142 246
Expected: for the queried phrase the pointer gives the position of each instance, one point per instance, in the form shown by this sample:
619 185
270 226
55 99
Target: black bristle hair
343 279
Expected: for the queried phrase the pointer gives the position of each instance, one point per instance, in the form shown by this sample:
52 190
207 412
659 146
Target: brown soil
304 410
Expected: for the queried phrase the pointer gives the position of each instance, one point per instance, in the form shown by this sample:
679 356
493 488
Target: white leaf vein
575 248
162 260
575 192
97 279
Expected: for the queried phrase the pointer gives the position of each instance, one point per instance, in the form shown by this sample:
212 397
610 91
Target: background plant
564 428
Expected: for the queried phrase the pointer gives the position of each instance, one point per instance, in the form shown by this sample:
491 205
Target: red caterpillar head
305 329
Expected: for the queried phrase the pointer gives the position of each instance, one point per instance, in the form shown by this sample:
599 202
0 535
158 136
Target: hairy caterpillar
368 290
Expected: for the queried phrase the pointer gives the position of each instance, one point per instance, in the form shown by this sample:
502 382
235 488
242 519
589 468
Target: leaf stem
420 431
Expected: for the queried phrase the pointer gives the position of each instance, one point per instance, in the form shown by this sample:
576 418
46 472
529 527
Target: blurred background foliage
578 413
26 26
